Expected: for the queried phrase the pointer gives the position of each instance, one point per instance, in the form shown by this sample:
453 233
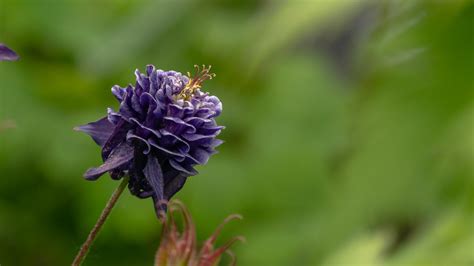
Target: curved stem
100 222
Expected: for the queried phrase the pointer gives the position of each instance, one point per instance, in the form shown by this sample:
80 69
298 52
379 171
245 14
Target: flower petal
187 169
172 139
199 139
216 142
158 146
176 110
203 112
146 99
120 156
145 128
200 155
143 82
99 130
150 69
154 176
7 54
217 105
197 121
210 130
118 92
177 126
130 135
174 185
117 137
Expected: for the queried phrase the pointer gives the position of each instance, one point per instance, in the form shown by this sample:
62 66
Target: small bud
178 247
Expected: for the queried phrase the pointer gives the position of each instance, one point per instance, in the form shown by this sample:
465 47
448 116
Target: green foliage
373 166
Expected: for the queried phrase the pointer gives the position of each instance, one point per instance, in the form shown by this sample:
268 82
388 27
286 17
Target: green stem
81 255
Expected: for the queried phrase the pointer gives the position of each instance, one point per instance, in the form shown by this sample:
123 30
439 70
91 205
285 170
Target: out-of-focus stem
81 255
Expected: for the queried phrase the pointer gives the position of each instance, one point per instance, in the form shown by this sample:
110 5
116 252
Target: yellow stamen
195 82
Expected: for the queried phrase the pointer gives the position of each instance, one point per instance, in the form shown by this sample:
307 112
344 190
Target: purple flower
7 54
164 127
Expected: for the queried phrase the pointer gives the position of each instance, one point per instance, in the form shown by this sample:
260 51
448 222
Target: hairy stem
81 255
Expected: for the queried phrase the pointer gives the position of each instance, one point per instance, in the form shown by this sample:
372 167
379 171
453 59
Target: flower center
195 82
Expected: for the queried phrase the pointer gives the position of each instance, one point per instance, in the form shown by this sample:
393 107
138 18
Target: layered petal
119 157
99 130
154 176
183 167
118 136
174 185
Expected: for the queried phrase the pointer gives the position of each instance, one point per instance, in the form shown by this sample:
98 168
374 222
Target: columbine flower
7 54
179 248
164 127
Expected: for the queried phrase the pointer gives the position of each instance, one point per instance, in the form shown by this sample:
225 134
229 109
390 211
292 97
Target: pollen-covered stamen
195 81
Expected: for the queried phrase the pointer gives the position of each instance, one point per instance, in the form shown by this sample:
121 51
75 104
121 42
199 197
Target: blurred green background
349 128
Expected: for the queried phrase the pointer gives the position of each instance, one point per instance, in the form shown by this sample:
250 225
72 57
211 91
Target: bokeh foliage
349 136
